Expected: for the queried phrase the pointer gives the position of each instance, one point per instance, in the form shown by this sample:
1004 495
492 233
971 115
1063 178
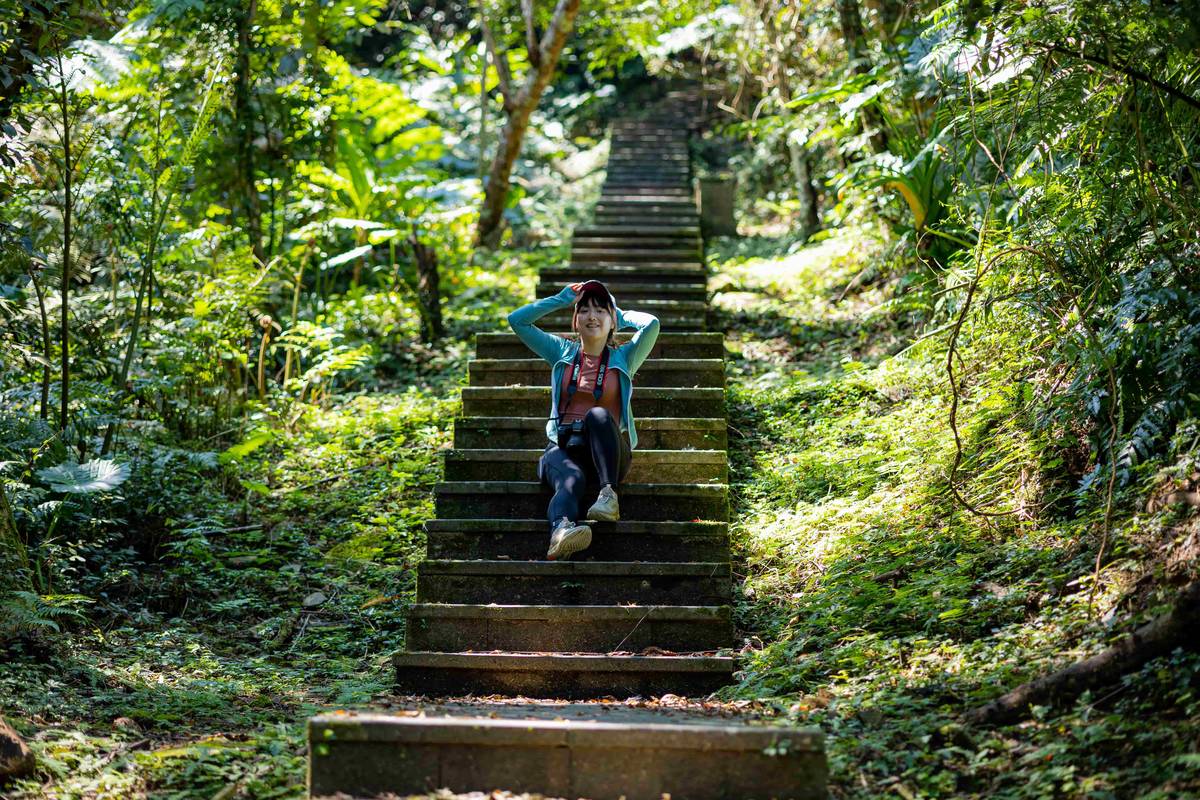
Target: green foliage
97 475
873 604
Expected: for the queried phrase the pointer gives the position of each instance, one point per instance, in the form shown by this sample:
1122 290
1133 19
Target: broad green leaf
97 475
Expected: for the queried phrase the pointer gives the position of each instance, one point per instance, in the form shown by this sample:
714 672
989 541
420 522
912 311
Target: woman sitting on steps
591 428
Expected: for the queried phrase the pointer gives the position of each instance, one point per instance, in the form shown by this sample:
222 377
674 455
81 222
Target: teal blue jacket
560 352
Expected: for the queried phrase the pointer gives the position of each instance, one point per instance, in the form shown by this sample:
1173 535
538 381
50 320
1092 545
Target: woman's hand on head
576 288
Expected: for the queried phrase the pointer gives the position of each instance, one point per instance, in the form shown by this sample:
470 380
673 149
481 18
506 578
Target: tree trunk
519 108
244 131
855 38
806 193
1173 629
429 299
68 207
44 407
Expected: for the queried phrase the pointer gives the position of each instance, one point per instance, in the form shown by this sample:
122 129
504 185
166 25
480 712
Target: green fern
23 613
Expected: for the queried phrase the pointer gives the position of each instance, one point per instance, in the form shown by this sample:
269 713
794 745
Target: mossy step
637 231
674 466
636 291
670 344
653 372
621 217
654 433
525 499
531 401
560 675
662 273
527 539
634 154
639 757
649 195
696 268
619 172
647 201
652 184
632 142
689 244
669 320
694 583
452 627
634 253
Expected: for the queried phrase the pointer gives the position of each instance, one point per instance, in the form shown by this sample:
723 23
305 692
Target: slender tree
519 104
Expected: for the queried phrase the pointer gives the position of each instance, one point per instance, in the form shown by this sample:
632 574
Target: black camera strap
573 386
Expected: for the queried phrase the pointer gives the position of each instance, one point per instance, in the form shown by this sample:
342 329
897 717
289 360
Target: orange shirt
584 397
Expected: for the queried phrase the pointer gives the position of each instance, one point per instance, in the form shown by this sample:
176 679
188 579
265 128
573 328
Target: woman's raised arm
546 345
646 334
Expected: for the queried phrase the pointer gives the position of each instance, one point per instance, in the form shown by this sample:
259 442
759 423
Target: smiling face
593 319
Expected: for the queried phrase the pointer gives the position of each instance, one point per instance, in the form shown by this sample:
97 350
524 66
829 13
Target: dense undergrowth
243 591
878 607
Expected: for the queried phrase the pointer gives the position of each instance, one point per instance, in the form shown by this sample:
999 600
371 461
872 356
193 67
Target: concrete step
647 194
618 217
634 231
638 175
654 433
633 254
653 372
670 320
527 539
533 401
640 184
680 174
646 209
667 345
663 161
594 752
648 145
671 466
559 676
695 266
633 293
677 170
648 140
450 627
646 502
689 244
696 583
615 274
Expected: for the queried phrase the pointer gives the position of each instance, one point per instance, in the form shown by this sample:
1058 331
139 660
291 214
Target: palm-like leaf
97 475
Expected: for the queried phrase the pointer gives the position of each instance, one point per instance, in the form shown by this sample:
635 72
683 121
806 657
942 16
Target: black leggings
605 457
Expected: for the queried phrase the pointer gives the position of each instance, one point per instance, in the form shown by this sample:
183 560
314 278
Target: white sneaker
568 538
605 508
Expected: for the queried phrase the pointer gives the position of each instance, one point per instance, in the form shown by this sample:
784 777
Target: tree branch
1175 628
531 37
1130 72
556 35
501 62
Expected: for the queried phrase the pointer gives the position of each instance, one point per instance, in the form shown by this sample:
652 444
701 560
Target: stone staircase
645 611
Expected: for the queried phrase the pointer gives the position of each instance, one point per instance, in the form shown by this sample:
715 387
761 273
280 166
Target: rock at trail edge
16 759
